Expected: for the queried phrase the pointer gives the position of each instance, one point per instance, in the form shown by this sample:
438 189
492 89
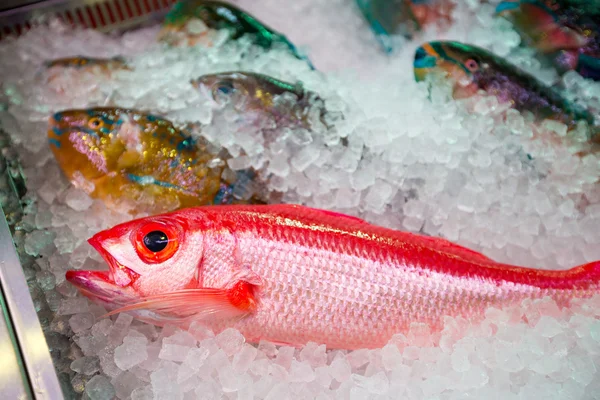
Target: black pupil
225 87
156 241
95 122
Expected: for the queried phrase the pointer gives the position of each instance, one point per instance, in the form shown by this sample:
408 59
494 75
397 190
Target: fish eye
472 64
223 90
95 123
225 87
156 242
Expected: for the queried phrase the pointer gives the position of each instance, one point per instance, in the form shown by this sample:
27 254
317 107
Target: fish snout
507 7
423 63
120 275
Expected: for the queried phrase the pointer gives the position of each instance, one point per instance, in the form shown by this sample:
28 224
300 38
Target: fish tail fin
587 276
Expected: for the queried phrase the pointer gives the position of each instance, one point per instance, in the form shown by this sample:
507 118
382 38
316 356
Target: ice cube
37 241
78 200
244 357
285 357
230 340
81 322
301 372
125 384
305 157
230 380
86 365
131 352
142 393
73 306
100 388
340 369
548 327
120 328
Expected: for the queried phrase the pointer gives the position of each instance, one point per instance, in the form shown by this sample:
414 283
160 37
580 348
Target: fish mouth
112 287
120 275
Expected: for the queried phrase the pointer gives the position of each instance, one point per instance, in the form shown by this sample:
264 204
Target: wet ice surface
468 171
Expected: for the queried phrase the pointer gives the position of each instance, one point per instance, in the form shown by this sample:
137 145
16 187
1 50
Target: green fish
251 92
217 15
470 68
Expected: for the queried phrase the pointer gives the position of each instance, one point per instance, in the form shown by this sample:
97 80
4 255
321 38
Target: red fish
292 274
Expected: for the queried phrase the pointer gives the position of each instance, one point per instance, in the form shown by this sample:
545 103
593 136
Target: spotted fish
140 161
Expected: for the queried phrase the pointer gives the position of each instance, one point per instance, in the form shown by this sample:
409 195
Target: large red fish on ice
291 274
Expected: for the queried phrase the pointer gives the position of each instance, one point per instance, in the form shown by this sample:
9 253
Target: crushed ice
400 157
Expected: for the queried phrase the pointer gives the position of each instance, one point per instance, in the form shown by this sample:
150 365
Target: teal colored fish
217 15
470 68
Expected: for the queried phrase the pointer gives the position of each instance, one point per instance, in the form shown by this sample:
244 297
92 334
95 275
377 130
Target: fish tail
586 276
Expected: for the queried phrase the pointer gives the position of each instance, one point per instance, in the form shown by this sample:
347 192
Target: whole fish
88 62
63 72
566 33
291 274
470 68
195 21
140 161
249 92
403 17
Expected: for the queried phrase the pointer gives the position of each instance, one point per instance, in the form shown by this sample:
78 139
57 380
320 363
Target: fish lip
126 275
99 286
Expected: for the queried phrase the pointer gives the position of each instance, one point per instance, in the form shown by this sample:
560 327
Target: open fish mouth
112 286
98 285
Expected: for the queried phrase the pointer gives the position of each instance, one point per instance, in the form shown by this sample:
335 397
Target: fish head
466 67
236 89
208 15
145 257
82 140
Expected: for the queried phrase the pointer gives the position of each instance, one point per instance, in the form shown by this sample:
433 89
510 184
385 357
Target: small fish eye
156 241
95 123
225 87
472 64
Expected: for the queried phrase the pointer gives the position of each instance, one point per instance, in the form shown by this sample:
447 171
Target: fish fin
201 303
559 37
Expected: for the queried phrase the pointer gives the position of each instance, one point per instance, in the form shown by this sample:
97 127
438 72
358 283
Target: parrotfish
470 69
64 73
250 92
291 274
564 32
84 62
403 17
196 21
139 161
